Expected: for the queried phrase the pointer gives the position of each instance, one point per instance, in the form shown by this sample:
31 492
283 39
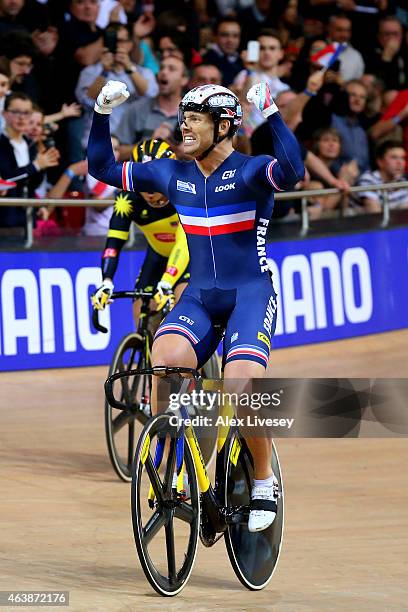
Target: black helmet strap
217 139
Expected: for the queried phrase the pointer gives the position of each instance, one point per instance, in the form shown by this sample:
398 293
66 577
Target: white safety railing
30 203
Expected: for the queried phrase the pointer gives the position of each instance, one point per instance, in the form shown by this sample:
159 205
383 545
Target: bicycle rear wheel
122 428
165 524
253 556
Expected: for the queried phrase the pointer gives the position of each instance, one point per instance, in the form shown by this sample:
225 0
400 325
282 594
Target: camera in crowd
110 40
49 140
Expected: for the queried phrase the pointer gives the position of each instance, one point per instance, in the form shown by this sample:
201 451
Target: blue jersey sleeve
129 176
282 172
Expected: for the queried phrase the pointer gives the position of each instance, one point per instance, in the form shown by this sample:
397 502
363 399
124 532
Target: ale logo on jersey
186 187
165 237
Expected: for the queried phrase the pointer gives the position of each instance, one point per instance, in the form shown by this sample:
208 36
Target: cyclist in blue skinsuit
224 200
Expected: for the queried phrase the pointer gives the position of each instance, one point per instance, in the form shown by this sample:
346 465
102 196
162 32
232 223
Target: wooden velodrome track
65 518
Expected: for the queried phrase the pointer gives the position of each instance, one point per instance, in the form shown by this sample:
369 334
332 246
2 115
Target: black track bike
168 522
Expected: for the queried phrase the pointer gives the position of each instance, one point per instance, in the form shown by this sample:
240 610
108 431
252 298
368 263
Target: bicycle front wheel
122 428
165 523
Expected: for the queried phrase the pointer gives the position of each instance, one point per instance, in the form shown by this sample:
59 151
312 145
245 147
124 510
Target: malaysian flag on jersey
328 55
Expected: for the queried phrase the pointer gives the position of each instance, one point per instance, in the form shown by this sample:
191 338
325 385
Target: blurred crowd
350 116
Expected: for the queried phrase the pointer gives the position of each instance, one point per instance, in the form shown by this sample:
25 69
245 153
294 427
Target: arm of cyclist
130 176
176 266
118 234
178 259
286 168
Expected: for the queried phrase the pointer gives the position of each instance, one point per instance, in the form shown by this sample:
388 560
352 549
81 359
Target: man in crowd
18 160
204 74
351 60
144 116
224 52
388 60
390 160
267 70
115 64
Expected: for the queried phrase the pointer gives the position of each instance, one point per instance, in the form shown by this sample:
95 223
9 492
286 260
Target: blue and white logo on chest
186 186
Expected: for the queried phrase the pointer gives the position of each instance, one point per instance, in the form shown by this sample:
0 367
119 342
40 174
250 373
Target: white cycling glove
164 294
102 295
112 94
260 95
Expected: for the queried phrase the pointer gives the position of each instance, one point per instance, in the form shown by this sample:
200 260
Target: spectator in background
375 90
388 60
42 137
230 7
19 160
97 218
10 16
291 106
267 69
19 50
224 52
204 74
351 60
393 123
352 126
4 89
142 51
183 17
289 25
177 44
320 92
143 117
115 64
80 44
363 14
23 15
390 160
327 147
261 14
30 19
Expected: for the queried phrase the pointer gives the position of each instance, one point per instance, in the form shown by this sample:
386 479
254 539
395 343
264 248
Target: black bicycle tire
135 510
124 474
236 566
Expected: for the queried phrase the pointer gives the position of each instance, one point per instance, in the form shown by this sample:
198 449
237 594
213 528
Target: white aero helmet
219 102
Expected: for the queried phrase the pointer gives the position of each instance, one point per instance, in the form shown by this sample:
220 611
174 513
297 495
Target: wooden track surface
65 518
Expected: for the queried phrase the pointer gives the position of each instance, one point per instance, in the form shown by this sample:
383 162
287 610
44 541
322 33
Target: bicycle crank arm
235 515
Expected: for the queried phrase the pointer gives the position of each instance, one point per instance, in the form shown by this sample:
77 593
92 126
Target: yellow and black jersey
161 228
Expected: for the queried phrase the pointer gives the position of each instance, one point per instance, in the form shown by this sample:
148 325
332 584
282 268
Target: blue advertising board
328 288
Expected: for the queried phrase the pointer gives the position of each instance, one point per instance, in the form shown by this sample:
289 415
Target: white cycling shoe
263 506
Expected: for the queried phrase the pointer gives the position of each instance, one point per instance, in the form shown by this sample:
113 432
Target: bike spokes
165 524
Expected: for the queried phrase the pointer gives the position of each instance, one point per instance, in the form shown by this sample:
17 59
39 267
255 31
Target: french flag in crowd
99 190
5 185
328 55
